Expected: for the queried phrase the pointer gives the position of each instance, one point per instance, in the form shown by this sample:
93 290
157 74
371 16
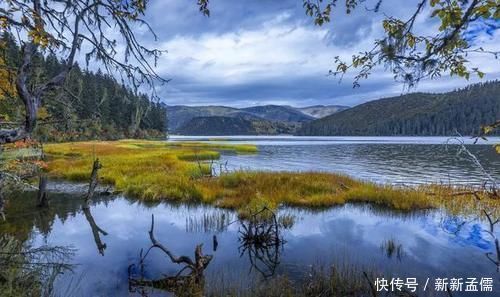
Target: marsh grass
213 222
238 148
392 248
286 220
199 156
344 280
156 170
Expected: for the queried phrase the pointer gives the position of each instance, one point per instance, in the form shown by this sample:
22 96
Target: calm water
380 159
431 244
109 238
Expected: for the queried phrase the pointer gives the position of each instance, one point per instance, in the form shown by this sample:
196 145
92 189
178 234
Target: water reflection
353 234
469 231
494 257
191 284
393 248
96 231
261 239
214 222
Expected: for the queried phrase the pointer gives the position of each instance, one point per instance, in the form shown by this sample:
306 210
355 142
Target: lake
407 160
428 244
108 238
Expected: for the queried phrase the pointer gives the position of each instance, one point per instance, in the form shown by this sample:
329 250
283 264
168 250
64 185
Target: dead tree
94 180
96 231
190 284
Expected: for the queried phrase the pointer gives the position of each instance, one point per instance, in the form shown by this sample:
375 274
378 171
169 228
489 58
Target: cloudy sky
268 52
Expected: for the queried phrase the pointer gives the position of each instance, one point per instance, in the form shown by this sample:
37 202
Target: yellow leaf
42 113
6 82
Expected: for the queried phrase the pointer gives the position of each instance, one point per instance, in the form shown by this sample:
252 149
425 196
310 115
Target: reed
343 280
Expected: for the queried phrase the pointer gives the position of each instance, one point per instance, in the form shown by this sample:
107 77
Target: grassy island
182 171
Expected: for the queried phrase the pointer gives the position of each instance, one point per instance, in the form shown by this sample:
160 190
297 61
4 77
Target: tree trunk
43 199
140 112
96 231
2 205
94 179
30 100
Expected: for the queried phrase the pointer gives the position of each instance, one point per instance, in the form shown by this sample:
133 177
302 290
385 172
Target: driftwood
184 285
180 285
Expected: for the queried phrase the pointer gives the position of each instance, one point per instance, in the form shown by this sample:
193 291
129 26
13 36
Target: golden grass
239 148
155 170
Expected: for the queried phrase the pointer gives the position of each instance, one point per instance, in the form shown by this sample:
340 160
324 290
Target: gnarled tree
93 28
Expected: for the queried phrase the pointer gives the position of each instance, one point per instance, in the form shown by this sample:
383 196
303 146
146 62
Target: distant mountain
321 111
463 110
279 113
221 125
277 118
179 114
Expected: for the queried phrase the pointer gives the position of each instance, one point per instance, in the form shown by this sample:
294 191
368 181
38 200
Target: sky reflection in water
352 235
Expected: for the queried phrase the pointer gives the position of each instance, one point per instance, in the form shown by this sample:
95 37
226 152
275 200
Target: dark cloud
295 90
268 51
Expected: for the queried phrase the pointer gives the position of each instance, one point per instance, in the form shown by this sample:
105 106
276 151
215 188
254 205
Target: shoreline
157 170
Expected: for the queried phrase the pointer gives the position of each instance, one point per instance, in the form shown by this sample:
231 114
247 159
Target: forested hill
238 125
90 106
462 111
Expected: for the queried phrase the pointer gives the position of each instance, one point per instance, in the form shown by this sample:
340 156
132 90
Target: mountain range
223 120
425 114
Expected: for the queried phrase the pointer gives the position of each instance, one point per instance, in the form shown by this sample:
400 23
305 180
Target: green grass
155 170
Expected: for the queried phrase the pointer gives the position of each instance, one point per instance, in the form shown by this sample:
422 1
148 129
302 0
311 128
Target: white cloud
286 59
244 56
